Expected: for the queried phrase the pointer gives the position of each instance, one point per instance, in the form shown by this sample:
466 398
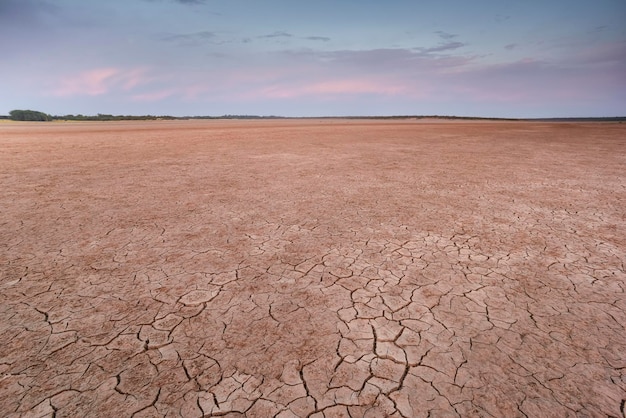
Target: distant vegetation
29 115
32 115
105 117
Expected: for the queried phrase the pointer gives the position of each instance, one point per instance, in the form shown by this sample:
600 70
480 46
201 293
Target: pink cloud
100 81
333 88
530 81
91 83
134 78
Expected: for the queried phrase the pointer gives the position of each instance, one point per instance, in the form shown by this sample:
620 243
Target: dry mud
312 268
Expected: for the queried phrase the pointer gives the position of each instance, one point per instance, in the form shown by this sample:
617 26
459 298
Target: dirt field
312 268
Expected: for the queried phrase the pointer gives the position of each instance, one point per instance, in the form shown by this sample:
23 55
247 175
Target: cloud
448 46
277 34
599 29
282 34
382 60
100 81
317 38
338 87
501 18
608 53
423 74
534 81
190 38
90 83
446 35
510 47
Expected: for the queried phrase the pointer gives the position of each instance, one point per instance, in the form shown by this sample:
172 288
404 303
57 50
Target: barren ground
312 268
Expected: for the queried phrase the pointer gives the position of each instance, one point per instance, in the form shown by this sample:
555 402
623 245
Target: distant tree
29 115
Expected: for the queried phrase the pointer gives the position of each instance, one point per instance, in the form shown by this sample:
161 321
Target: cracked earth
312 269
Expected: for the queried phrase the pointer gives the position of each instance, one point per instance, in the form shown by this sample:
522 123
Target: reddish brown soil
312 268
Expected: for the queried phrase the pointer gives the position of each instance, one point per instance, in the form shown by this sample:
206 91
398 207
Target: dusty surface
308 268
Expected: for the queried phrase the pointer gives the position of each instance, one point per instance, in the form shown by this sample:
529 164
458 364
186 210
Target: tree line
36 116
33 115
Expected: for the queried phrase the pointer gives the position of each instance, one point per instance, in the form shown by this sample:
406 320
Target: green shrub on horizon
29 115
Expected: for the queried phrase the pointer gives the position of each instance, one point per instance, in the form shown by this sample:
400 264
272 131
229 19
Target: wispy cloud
608 53
448 43
331 88
277 34
533 81
510 47
501 18
191 38
317 38
100 81
284 35
448 46
446 35
598 29
89 83
383 60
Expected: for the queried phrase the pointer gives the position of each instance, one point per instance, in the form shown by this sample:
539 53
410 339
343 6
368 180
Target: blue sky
299 58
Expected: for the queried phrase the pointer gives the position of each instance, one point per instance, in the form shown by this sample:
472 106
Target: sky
490 58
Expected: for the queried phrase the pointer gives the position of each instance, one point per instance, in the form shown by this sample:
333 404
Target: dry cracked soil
309 268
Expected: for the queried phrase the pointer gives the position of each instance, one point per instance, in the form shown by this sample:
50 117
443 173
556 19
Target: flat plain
320 268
